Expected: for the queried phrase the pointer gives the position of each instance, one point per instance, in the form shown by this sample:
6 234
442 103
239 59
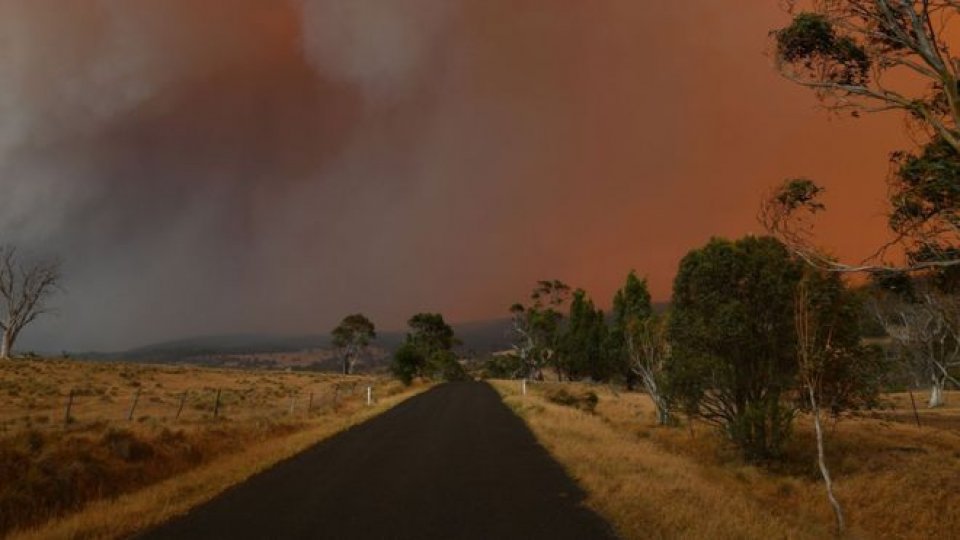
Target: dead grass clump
584 400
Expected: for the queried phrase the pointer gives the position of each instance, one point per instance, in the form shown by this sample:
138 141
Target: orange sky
253 165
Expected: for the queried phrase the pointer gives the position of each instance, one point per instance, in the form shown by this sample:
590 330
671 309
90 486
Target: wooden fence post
133 407
183 400
216 406
913 401
66 416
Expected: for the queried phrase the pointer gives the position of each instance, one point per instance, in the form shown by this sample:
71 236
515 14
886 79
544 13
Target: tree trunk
821 458
936 393
6 347
650 385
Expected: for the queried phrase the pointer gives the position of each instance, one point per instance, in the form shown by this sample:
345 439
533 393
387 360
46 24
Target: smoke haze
211 166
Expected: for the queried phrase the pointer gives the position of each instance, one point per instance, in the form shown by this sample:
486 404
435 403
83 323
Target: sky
230 166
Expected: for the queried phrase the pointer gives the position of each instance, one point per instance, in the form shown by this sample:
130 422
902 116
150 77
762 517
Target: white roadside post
369 396
523 387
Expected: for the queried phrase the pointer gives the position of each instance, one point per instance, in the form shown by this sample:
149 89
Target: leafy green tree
867 56
408 363
537 328
733 358
631 304
352 336
428 350
582 345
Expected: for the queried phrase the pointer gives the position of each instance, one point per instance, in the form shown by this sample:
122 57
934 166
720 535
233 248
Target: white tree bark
822 461
936 393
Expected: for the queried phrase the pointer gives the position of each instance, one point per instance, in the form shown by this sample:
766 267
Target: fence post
523 387
913 401
133 407
66 416
369 396
216 406
183 400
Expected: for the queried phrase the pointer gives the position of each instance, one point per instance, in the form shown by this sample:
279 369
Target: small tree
352 336
817 316
408 362
537 327
733 355
648 349
25 288
630 304
923 320
582 341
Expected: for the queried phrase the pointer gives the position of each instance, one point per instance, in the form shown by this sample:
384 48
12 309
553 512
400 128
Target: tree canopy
351 336
870 56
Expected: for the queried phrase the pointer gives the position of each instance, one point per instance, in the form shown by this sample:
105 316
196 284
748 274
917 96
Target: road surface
451 463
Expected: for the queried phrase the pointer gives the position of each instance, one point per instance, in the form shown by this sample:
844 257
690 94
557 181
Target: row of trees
427 351
562 329
753 336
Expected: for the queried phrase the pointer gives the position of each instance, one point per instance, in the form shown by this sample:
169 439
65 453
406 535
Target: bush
585 401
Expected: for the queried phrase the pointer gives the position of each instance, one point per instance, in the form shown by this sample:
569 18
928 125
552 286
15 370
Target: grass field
101 473
895 480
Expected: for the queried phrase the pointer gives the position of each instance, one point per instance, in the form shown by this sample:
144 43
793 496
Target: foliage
505 366
812 43
537 327
868 56
428 351
408 363
732 337
582 343
586 400
630 304
848 375
351 336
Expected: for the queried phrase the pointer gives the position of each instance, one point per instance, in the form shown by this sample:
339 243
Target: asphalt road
451 463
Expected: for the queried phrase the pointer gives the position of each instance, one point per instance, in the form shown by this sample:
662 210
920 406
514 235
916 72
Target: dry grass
49 469
894 480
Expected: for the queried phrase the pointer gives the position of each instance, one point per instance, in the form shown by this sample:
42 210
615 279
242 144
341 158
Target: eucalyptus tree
649 350
537 327
871 56
631 303
923 320
352 336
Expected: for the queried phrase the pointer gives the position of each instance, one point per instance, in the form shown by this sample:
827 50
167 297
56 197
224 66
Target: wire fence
81 405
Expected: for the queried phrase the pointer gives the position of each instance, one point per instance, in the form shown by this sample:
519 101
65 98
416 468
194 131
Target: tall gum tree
876 56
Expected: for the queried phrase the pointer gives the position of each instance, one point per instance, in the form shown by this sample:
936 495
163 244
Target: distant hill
479 338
